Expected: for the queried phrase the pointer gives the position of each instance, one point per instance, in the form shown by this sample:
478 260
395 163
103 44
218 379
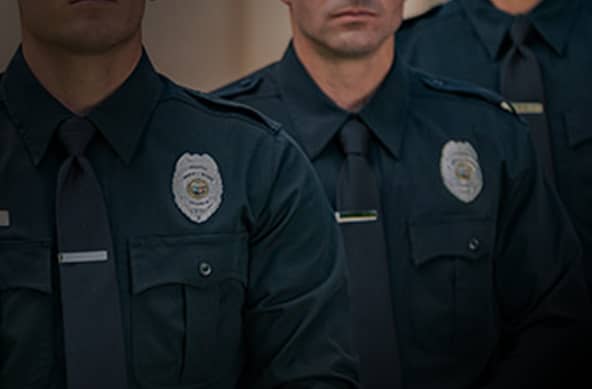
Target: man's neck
349 82
516 7
81 82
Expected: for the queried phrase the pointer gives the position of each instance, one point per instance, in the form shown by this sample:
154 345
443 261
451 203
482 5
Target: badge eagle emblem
197 186
460 170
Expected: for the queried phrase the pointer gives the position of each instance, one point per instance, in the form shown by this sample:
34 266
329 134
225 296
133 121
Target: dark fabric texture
468 40
253 296
91 308
522 82
485 292
358 193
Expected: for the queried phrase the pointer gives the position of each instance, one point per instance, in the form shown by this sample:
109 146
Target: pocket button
474 244
205 269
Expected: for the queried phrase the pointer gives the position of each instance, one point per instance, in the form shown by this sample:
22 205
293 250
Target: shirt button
205 269
474 244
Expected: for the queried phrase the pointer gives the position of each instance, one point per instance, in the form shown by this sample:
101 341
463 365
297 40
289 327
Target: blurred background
202 43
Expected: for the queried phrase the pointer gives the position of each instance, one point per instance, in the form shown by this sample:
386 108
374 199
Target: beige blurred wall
266 31
202 43
196 42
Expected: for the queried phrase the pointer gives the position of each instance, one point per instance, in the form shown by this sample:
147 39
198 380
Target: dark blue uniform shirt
484 291
466 39
253 297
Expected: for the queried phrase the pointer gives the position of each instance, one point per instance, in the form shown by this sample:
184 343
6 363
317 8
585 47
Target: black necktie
522 83
93 328
359 213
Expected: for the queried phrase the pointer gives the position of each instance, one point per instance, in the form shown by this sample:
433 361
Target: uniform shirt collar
553 19
120 118
316 118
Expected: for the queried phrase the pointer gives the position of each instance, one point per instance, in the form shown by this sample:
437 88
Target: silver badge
460 170
197 186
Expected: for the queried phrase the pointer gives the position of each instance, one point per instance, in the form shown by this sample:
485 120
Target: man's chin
90 42
354 49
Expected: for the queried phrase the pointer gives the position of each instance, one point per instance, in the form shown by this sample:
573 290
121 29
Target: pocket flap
197 261
469 239
578 127
25 265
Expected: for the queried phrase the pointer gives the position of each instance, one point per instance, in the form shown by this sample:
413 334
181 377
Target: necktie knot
521 81
75 134
521 28
354 137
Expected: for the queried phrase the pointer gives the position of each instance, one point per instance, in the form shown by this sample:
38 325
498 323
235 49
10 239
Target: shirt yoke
214 105
261 84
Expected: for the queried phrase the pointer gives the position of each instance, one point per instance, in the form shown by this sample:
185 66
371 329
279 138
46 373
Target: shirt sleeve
543 303
297 319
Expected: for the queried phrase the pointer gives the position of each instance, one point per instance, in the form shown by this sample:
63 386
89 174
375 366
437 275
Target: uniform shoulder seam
224 108
464 88
243 85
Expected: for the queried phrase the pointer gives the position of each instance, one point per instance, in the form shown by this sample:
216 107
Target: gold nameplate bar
83 257
528 108
345 217
4 218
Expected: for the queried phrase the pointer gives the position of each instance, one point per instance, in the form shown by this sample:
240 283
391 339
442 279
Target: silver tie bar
83 257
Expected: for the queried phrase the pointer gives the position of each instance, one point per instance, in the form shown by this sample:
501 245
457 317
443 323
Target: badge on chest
460 171
197 186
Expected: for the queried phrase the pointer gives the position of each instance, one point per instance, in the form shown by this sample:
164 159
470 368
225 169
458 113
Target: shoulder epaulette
215 102
464 88
244 85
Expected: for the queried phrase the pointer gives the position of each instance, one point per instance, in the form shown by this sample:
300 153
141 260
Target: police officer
462 263
536 53
150 236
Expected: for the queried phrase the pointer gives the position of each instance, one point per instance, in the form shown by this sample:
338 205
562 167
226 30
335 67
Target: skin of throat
516 7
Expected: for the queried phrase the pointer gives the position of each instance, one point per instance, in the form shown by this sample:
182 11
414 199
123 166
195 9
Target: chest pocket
577 126
452 288
573 158
26 314
187 300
